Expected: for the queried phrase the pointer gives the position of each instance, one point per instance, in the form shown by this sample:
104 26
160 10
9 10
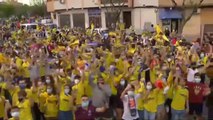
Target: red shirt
174 41
193 97
83 114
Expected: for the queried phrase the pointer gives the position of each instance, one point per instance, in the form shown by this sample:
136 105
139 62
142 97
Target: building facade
139 14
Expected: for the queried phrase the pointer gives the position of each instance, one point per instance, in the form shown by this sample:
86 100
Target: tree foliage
16 9
188 9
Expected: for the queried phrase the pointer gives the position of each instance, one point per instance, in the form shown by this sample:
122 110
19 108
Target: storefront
170 18
95 17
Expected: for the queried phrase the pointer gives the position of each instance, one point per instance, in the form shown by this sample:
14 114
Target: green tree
7 10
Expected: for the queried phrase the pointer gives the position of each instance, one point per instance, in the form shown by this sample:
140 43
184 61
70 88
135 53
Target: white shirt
191 74
126 114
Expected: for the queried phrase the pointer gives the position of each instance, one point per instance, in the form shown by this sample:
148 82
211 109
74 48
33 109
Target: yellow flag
158 29
92 26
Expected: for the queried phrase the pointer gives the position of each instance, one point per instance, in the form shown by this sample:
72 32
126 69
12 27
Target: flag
159 31
92 26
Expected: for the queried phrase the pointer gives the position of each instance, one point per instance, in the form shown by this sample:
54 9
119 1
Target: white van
29 26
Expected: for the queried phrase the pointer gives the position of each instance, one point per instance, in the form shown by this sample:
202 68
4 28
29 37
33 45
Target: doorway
127 18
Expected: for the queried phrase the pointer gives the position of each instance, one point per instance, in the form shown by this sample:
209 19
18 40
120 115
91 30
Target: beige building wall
192 29
207 16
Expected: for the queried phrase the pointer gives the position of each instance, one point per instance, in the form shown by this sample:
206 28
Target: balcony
50 6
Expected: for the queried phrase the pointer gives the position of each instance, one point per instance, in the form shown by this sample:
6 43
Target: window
95 17
64 20
79 20
110 19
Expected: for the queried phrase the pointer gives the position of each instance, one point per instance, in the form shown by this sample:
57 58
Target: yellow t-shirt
153 75
140 100
26 71
135 74
88 88
80 89
150 104
42 100
51 106
25 110
65 103
3 85
160 97
2 102
19 66
14 94
170 83
180 98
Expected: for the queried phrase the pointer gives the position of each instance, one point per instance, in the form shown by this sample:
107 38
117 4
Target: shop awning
170 14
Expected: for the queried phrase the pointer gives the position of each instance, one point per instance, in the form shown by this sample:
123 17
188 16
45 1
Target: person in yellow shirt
140 88
3 112
13 90
15 113
150 102
24 104
51 103
66 104
180 100
78 88
26 72
41 89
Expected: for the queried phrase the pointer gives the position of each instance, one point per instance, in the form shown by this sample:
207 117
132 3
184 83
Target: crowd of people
75 74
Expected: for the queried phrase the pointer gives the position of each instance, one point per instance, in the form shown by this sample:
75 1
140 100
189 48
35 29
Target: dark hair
84 95
133 87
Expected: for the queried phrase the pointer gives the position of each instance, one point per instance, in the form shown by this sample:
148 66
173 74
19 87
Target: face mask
202 55
76 81
197 80
48 81
148 87
85 104
15 114
49 90
1 79
39 83
112 67
66 91
130 93
116 60
122 82
177 69
169 59
22 86
164 80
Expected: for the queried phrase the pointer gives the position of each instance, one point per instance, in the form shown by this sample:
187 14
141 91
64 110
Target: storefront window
79 20
64 20
111 20
95 17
